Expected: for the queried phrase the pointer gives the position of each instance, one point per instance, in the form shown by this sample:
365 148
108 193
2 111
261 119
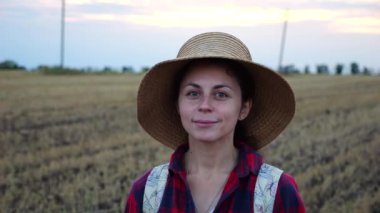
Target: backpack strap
264 195
266 188
154 188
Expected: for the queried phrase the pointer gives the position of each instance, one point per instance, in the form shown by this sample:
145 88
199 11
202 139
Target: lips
204 123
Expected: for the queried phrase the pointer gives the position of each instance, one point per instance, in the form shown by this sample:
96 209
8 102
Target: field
72 143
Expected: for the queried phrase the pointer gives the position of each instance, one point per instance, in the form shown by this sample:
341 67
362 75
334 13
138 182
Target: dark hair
233 69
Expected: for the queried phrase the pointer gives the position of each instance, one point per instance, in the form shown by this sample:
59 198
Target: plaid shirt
237 195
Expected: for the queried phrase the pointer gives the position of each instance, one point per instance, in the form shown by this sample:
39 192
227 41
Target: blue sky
143 32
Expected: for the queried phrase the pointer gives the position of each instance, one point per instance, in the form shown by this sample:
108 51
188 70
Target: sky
141 33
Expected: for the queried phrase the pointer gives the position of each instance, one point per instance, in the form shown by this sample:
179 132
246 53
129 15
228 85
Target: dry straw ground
72 143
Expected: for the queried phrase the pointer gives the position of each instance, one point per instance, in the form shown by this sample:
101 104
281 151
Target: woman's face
210 103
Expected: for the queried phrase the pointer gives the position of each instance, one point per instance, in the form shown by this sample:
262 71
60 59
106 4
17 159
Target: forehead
209 72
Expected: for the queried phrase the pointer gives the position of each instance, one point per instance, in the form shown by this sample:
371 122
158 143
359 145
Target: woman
216 108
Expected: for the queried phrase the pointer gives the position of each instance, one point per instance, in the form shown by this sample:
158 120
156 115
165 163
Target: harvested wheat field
72 143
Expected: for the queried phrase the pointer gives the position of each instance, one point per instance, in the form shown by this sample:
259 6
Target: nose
205 104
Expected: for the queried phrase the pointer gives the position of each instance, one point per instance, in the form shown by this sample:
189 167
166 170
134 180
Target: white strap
266 188
154 188
264 197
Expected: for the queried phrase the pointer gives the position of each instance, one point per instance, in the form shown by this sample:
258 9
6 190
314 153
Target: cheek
185 116
231 110
183 110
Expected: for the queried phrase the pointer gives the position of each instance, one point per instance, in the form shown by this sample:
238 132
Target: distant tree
339 69
289 69
88 69
366 71
355 68
322 69
107 69
145 69
43 67
10 65
126 69
307 69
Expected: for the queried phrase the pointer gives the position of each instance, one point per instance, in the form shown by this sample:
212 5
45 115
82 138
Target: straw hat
273 99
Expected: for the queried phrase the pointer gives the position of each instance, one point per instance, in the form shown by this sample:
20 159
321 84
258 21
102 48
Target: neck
211 157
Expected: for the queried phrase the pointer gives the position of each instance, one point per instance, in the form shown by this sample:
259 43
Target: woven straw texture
273 99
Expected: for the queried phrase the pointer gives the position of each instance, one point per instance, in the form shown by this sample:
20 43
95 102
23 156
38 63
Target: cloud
227 16
340 16
346 16
365 25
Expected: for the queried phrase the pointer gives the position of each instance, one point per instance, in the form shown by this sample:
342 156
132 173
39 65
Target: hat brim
272 110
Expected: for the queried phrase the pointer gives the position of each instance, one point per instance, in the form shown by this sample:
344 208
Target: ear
245 109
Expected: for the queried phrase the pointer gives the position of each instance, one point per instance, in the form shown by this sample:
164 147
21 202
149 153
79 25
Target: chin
206 138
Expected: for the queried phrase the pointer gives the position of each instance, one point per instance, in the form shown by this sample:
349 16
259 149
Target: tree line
353 69
12 65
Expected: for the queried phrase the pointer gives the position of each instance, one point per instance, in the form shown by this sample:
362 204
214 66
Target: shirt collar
249 160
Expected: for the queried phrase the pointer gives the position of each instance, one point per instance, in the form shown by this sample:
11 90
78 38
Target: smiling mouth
204 123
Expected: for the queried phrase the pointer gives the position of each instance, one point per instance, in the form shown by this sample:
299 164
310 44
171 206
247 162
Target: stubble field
72 143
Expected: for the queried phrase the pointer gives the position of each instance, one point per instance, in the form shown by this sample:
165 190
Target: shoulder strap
264 197
154 188
266 188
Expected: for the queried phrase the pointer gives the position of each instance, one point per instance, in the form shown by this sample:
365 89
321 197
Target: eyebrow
193 85
218 86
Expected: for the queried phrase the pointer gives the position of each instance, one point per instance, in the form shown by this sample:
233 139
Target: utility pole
62 34
283 40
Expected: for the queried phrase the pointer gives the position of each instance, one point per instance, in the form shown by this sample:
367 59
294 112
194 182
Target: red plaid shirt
238 193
